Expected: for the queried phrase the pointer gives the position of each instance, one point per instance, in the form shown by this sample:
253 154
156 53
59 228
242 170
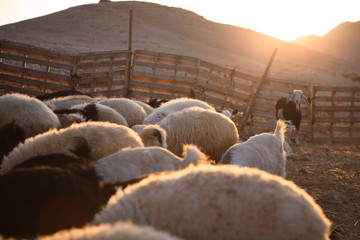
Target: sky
283 19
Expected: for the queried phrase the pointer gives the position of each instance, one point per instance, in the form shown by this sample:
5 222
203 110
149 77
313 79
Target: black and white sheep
67 102
174 105
219 202
211 131
104 113
289 109
131 163
104 139
264 151
27 112
62 93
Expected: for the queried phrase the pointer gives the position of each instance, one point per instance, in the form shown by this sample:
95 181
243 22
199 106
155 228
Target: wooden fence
334 114
33 70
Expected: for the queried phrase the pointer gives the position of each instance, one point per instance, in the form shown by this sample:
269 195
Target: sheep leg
297 138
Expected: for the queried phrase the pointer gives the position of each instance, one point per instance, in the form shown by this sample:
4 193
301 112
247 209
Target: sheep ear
305 100
291 98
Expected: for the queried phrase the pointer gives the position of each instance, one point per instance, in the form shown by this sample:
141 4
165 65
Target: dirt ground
331 174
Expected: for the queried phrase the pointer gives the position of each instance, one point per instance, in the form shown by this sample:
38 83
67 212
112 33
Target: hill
104 27
342 42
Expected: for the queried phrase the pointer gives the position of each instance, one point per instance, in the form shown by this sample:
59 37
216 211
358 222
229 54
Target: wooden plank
255 95
160 86
319 88
214 67
35 72
19 89
138 63
337 108
32 82
337 140
84 66
6 44
36 61
101 55
336 120
191 80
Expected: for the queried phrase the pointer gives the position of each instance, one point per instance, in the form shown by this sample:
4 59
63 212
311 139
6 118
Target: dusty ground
320 168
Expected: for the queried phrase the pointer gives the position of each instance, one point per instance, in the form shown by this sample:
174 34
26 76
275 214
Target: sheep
27 112
212 132
131 163
119 230
48 193
174 105
219 202
10 136
104 139
289 109
147 108
151 135
69 116
104 113
130 110
63 93
67 102
155 103
264 151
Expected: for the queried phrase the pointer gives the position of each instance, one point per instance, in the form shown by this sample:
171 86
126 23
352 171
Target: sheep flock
74 166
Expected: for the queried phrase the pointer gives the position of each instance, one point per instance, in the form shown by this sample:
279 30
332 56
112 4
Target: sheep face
298 96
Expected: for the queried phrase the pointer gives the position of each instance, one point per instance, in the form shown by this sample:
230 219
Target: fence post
253 98
130 63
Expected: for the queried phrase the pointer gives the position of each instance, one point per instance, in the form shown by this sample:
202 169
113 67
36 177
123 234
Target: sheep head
298 96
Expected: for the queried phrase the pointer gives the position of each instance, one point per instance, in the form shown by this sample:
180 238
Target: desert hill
341 42
104 27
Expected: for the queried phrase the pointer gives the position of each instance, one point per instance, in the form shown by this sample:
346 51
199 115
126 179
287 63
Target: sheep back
131 163
27 112
103 138
130 110
174 105
219 202
212 132
120 230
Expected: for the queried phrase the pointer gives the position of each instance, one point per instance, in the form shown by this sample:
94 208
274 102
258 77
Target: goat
289 109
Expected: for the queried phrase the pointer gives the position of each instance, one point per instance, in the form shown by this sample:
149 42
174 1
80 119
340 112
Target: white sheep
27 112
130 110
148 109
104 139
219 202
129 164
264 151
174 105
119 230
105 113
211 131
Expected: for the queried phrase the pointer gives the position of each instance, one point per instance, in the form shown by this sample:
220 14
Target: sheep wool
174 105
147 108
105 113
67 102
119 230
27 112
219 202
131 163
264 151
152 135
212 132
130 110
103 138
